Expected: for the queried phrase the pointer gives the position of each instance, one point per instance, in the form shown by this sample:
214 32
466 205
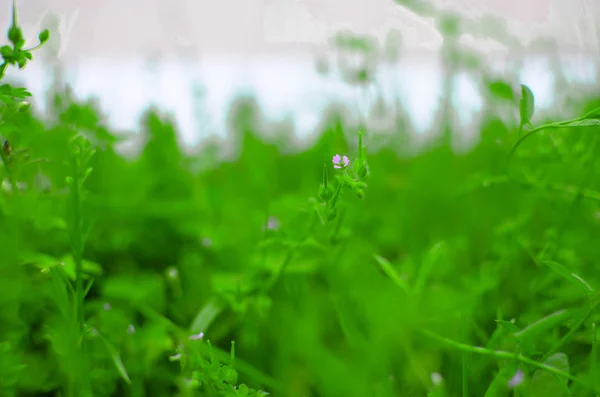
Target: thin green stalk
335 197
567 189
504 355
338 225
290 254
520 130
465 364
314 219
594 358
559 124
77 242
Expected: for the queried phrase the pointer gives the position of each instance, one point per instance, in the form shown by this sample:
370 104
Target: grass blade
205 317
389 271
545 323
116 358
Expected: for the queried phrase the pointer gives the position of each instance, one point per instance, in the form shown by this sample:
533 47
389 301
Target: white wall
117 27
269 46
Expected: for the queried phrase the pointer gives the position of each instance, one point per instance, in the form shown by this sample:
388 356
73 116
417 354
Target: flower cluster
340 162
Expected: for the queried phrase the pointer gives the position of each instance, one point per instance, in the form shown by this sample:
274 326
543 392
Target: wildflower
7 186
131 329
436 378
337 161
197 336
272 224
206 242
517 379
107 306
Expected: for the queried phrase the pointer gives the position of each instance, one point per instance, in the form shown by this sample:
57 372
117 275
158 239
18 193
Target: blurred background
192 58
430 236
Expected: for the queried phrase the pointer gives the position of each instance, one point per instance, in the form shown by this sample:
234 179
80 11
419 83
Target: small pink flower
272 224
517 379
338 160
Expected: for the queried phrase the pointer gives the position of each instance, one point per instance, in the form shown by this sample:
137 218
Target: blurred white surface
269 47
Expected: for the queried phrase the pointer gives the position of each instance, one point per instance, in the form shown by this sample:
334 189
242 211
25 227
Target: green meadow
349 267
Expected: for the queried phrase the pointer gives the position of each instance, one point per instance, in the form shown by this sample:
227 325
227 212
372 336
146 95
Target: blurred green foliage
443 277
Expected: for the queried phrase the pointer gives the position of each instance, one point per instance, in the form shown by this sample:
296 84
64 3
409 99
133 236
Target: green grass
435 274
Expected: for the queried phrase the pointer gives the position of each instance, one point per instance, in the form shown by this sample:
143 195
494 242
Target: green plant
447 275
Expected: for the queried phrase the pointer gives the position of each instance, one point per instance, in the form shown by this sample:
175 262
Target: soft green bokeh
452 271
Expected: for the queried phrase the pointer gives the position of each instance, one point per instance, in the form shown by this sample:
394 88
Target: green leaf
429 262
6 51
89 267
87 288
20 93
44 36
527 105
545 384
546 323
508 325
6 99
62 292
567 275
205 317
502 90
389 271
116 358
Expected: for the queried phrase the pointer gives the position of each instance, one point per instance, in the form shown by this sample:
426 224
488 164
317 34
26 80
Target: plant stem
594 358
465 363
559 124
76 241
504 355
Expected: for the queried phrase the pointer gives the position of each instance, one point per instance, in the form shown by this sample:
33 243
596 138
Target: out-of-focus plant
12 100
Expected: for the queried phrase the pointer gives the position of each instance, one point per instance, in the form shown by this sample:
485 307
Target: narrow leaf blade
527 105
